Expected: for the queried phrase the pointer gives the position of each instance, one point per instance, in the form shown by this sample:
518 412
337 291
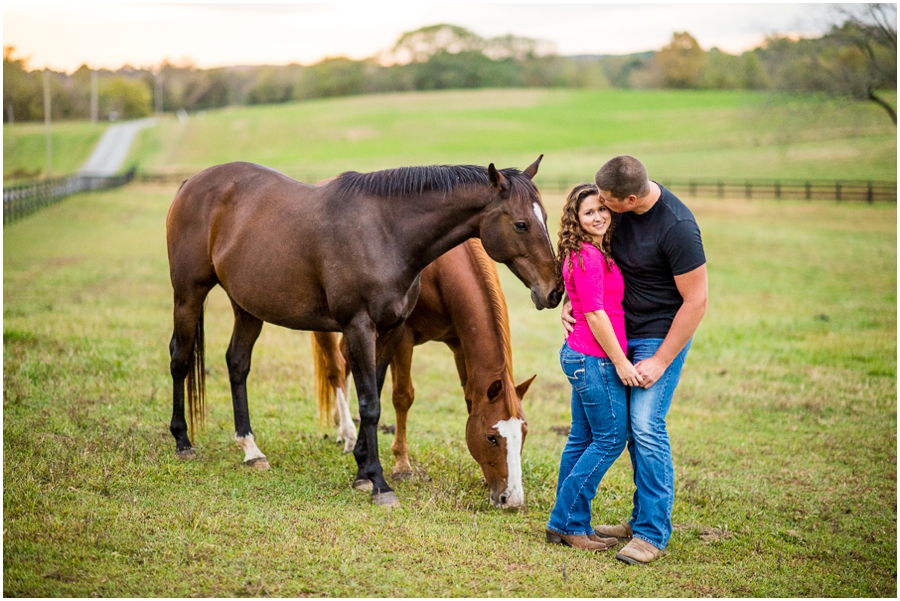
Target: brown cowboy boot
638 552
618 531
580 541
609 541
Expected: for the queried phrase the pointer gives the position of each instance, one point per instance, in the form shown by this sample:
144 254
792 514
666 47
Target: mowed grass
677 134
25 148
783 431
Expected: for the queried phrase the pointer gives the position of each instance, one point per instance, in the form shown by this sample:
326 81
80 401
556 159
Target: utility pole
94 98
47 121
158 88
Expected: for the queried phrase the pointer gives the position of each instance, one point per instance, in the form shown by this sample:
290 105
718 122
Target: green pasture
783 428
678 134
25 148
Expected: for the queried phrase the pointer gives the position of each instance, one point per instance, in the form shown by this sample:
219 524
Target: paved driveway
113 147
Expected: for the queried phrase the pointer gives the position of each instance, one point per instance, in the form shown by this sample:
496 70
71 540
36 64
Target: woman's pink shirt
590 289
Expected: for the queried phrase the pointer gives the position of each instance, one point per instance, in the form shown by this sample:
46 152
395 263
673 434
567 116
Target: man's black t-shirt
651 249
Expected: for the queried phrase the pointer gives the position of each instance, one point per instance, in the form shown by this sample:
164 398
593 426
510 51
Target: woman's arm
602 329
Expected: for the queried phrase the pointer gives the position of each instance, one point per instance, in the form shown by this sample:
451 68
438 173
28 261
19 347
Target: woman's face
594 217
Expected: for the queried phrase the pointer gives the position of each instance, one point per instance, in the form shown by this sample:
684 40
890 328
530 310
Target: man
657 246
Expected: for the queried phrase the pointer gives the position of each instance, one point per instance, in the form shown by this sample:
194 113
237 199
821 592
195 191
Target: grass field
676 134
783 428
25 148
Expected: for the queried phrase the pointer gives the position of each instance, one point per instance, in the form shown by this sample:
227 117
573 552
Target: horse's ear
494 391
522 388
531 170
498 180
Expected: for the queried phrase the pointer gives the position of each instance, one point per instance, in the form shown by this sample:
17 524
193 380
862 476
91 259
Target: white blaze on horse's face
540 217
511 430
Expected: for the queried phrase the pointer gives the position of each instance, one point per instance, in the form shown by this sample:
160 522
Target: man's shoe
617 531
580 541
609 541
638 552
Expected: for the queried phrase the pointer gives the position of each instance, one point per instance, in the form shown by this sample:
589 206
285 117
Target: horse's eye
521 226
492 439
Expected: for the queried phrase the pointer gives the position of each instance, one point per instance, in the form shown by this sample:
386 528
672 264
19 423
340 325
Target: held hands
629 375
651 369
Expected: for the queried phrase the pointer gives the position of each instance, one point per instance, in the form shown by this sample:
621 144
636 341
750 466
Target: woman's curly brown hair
572 235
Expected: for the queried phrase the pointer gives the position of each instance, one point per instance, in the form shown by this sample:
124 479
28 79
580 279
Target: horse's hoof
401 476
363 484
259 463
386 499
186 454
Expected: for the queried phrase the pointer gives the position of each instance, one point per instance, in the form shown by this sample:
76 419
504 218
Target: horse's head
495 434
514 232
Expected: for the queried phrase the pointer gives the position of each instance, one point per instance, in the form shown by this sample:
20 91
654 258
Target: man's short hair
623 176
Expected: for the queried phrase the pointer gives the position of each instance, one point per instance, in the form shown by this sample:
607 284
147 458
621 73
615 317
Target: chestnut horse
345 256
462 305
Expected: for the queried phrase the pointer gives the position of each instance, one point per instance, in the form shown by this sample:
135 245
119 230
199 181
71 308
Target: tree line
856 59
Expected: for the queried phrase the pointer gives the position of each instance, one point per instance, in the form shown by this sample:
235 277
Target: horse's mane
488 271
408 181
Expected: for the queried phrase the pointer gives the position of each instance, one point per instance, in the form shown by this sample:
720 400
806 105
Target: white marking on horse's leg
511 430
540 218
251 451
346 429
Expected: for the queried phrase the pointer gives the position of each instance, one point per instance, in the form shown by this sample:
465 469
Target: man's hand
568 321
651 370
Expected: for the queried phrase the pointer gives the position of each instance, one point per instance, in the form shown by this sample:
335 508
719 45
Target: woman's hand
628 373
568 321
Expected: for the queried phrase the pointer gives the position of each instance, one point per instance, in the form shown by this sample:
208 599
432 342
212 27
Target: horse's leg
188 311
402 397
369 373
337 378
246 331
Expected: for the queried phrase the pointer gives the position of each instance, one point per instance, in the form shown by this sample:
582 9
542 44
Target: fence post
808 191
748 190
870 194
837 191
721 189
778 190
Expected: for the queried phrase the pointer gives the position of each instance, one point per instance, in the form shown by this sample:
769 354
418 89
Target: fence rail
839 190
22 200
787 189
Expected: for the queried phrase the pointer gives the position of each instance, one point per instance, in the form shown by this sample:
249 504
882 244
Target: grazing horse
462 305
345 256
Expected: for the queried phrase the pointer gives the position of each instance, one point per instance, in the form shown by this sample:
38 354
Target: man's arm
693 289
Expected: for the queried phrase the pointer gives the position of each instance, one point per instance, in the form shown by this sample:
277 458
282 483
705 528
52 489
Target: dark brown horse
346 256
462 305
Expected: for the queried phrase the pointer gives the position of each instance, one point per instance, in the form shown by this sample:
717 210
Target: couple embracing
632 261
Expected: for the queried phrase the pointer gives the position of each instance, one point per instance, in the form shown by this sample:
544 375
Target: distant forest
857 59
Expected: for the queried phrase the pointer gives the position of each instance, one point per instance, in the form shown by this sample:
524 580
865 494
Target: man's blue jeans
597 438
648 445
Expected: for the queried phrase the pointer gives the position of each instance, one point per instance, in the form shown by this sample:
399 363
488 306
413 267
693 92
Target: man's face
614 204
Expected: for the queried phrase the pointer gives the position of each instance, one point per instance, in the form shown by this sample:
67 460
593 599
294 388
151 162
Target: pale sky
64 36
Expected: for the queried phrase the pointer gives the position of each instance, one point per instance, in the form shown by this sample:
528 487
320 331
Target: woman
593 358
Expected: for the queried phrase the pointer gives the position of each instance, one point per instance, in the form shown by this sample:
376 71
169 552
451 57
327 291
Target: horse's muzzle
508 499
551 301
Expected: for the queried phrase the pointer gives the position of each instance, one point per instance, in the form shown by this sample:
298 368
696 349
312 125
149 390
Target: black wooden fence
24 199
794 189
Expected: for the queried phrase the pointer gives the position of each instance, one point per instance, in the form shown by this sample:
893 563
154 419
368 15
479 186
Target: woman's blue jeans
597 438
648 445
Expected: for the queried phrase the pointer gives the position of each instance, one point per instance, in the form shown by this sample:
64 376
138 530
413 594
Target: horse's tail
324 345
196 381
